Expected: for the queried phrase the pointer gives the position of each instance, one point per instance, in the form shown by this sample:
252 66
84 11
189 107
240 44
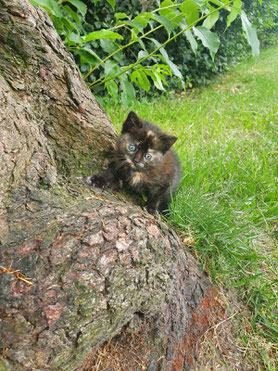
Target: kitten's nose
136 160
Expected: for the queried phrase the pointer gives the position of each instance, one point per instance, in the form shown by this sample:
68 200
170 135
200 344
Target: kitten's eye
148 156
132 148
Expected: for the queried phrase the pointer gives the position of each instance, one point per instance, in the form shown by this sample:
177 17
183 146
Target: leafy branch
195 18
104 80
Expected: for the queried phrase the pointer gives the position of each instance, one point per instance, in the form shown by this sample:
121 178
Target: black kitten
143 162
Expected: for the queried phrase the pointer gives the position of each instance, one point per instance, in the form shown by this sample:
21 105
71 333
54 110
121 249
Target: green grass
228 197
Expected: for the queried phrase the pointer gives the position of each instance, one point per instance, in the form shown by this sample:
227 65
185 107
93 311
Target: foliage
198 68
120 50
265 18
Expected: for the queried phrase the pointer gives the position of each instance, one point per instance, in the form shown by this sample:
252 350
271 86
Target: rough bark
49 119
97 263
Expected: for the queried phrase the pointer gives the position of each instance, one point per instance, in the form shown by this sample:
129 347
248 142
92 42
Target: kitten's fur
144 162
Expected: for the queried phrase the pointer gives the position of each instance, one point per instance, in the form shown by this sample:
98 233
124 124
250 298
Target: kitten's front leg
152 203
156 200
152 208
105 180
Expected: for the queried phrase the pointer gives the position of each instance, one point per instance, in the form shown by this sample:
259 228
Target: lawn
226 208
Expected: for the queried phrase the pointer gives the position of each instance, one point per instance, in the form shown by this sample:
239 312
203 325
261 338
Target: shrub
119 49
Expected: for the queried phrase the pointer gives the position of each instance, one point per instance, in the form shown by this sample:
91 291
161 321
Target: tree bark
96 267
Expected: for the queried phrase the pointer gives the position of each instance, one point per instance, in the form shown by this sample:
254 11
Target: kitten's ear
132 122
166 142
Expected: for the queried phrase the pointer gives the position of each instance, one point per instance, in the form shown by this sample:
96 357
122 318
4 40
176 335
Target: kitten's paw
98 181
151 210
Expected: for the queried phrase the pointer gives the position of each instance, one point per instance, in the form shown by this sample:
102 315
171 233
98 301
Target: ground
219 348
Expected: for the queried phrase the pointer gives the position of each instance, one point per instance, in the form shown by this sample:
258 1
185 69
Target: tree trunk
79 266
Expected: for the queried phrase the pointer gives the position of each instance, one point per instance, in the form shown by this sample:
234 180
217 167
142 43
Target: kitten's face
139 146
140 155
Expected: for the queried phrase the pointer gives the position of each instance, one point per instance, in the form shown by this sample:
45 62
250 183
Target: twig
16 273
218 324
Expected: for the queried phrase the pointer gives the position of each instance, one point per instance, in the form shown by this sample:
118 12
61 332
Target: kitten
143 162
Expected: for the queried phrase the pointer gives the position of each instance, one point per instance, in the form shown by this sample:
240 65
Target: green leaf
112 89
192 41
156 79
50 6
235 12
110 46
251 34
143 18
74 38
209 39
140 78
190 11
141 43
101 34
169 11
111 68
174 69
202 3
166 22
163 69
72 13
210 21
219 3
58 24
82 8
112 3
121 16
134 35
68 24
179 18
87 57
128 92
136 25
90 51
172 65
142 54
